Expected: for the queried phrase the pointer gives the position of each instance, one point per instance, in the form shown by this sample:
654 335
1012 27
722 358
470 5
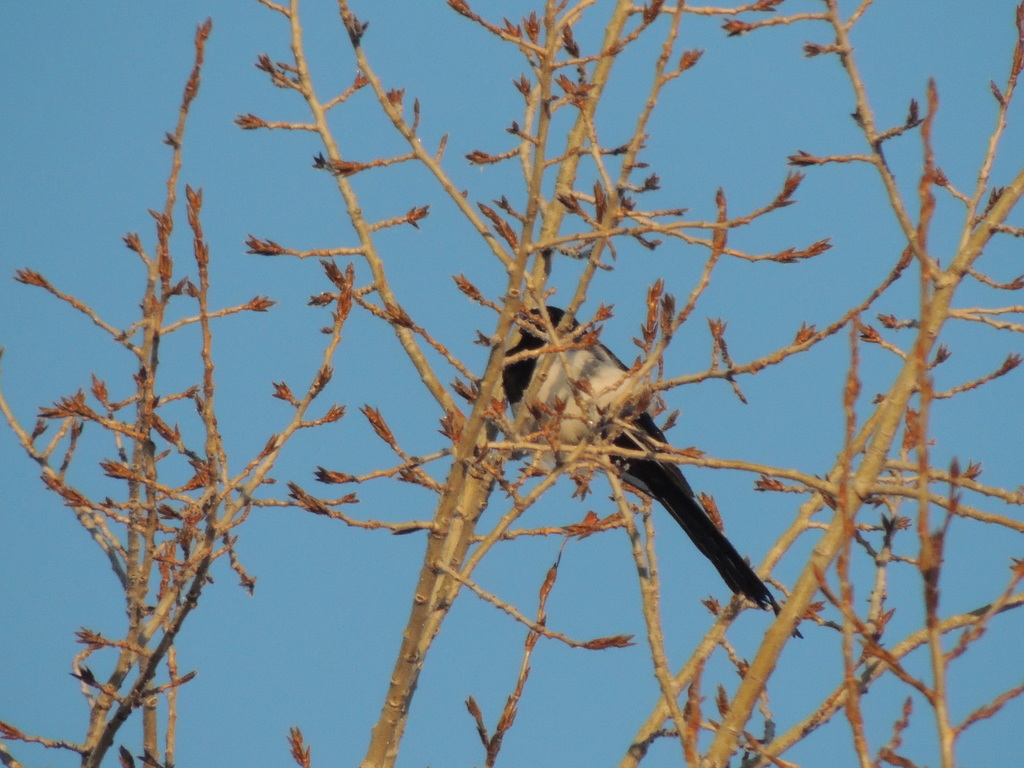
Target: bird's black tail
665 482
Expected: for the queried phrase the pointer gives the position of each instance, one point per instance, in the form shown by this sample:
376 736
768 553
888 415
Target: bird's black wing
665 482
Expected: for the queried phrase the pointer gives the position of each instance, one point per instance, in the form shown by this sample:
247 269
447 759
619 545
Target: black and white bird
585 410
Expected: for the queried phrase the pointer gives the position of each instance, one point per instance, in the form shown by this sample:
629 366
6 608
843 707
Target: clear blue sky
89 90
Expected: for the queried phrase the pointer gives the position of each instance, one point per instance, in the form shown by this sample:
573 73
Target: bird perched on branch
579 386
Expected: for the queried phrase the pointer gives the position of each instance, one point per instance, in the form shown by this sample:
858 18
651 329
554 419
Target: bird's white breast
608 382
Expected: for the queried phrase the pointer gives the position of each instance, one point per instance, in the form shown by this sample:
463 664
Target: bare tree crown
590 199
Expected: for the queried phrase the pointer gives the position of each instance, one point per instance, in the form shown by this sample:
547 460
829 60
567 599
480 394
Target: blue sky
89 91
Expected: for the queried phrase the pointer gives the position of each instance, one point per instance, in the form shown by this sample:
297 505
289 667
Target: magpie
581 382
